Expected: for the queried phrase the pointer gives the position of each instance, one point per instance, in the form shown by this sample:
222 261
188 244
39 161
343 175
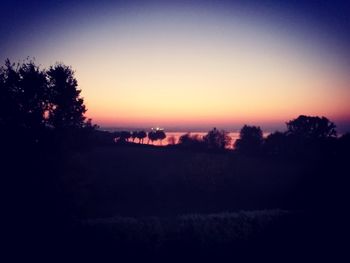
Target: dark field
165 203
153 181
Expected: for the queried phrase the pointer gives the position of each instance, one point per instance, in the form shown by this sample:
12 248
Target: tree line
304 135
45 107
126 136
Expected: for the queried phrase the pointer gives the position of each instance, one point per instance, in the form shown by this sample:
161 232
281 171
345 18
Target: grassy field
198 237
152 202
156 181
145 202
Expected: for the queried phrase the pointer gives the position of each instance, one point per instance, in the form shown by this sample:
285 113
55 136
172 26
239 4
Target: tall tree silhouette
67 107
9 89
160 135
33 97
23 102
23 96
141 135
250 140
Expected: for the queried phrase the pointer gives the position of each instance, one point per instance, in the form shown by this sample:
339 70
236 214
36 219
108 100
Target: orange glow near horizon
205 93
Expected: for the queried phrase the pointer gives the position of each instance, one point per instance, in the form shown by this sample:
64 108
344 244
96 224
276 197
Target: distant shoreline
113 129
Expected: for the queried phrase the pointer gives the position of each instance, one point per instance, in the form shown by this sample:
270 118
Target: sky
192 64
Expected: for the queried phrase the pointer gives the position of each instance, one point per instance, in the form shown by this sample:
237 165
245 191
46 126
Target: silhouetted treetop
23 95
161 135
67 107
122 136
311 127
34 101
156 134
216 139
250 140
190 141
141 135
275 143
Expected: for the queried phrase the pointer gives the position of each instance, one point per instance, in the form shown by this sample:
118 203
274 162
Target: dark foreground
122 203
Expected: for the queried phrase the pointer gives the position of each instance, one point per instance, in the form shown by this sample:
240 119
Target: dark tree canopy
275 143
134 135
141 135
23 95
35 101
311 127
161 135
122 136
67 107
217 140
152 136
191 141
250 140
156 134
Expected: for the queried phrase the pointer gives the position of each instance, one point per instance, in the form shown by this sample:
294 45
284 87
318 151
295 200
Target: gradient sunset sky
192 64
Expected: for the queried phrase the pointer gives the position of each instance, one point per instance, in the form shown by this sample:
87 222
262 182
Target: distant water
175 136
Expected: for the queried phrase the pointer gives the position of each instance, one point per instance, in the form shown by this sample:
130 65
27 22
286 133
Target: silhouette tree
310 137
66 106
32 99
34 104
152 136
134 135
184 139
23 96
9 91
23 103
141 135
250 140
156 134
309 127
191 141
160 134
275 143
123 136
217 140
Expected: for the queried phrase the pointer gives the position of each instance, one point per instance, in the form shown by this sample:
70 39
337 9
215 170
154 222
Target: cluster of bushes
125 136
214 140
